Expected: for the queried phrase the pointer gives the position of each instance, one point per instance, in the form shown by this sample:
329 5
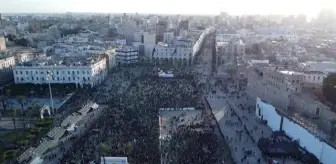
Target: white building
179 53
80 70
149 38
126 56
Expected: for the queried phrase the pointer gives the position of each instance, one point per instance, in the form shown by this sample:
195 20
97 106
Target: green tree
22 100
36 106
4 99
329 88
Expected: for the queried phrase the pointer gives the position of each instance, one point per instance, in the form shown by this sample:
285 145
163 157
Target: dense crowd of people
130 126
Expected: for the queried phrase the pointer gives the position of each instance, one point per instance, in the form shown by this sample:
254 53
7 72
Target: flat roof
288 72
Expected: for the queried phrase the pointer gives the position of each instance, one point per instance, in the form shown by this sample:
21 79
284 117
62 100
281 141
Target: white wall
325 153
306 140
268 113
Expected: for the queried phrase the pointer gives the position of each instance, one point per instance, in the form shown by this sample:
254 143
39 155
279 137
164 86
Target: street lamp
49 76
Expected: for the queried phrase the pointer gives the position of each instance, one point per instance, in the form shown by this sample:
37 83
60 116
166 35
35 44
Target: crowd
130 126
182 147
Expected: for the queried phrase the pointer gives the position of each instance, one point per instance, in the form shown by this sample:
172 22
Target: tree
21 100
329 88
22 42
4 99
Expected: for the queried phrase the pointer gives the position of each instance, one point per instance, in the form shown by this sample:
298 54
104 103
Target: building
85 71
2 36
228 51
179 53
184 24
6 64
273 84
314 78
126 56
2 43
111 59
168 37
161 27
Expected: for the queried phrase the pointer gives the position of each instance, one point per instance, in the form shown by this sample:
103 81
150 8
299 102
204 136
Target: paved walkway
236 135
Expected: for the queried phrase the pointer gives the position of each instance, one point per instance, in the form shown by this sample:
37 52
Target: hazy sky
234 7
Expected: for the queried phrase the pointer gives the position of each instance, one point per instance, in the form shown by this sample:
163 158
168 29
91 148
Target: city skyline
211 7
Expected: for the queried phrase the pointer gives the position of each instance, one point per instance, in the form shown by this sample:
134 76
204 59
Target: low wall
324 152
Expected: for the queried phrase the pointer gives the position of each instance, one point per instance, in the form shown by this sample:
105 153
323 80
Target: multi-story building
168 37
126 56
314 78
179 53
227 52
6 64
161 27
275 85
80 70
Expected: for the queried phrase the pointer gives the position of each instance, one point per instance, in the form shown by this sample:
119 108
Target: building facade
161 27
126 56
274 85
180 53
6 72
38 71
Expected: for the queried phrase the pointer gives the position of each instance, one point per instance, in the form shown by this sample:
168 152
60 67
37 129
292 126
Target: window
21 72
42 78
16 72
69 72
37 78
69 78
57 78
57 72
41 72
32 77
63 78
26 72
77 72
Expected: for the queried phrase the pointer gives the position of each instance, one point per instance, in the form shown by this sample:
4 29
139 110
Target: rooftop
63 61
288 72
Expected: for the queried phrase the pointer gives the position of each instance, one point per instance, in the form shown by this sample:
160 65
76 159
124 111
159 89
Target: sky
234 7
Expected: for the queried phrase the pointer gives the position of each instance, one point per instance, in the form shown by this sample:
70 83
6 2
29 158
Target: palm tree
4 99
21 100
36 106
333 128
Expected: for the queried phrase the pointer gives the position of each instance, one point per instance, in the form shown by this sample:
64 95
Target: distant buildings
81 70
